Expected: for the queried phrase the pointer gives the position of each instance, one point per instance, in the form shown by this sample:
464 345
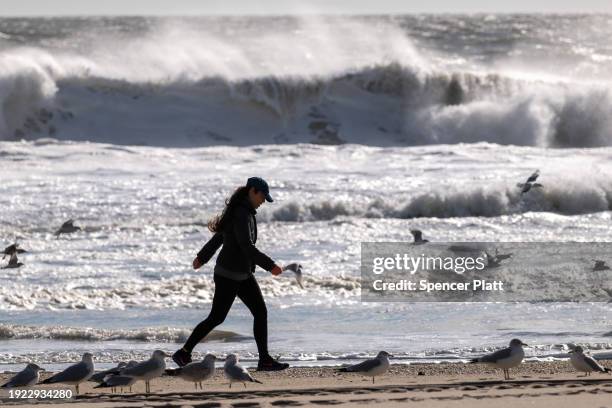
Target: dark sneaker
270 364
181 358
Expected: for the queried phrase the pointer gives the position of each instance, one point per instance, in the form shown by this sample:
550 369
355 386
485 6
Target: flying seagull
372 367
296 268
67 227
505 359
530 182
13 249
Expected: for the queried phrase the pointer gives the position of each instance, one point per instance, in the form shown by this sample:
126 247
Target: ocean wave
562 197
388 104
176 292
150 334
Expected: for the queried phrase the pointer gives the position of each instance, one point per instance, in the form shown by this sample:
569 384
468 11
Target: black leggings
226 291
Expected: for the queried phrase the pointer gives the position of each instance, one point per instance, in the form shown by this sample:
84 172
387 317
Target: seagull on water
75 374
234 372
418 237
27 377
584 363
506 359
296 268
600 265
372 367
67 227
196 372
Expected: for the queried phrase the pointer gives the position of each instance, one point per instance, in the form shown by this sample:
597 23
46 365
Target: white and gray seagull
147 370
372 367
75 374
197 371
27 377
505 359
234 372
296 268
584 363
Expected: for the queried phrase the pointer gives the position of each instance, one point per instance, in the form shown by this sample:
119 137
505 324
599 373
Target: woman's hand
276 270
196 263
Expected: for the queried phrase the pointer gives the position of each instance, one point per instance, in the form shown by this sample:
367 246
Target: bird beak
523 344
570 352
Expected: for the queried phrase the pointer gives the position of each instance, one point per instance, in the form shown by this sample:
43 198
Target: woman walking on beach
236 230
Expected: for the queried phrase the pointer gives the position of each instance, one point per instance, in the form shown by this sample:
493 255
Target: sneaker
181 358
269 364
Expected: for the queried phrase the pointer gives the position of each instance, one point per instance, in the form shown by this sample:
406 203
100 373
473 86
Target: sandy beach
541 384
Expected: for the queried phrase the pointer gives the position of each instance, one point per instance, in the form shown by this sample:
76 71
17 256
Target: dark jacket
239 254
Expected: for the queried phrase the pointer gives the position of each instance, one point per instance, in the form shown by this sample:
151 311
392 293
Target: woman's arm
208 250
243 237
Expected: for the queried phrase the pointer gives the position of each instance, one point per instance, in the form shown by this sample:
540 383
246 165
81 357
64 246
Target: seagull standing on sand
27 377
147 370
196 372
372 367
12 249
67 228
75 374
506 359
584 363
418 237
13 263
296 268
234 372
530 182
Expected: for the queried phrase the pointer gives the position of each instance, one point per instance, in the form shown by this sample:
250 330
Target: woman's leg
225 293
250 294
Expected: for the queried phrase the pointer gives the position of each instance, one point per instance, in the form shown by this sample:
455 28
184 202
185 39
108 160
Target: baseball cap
260 185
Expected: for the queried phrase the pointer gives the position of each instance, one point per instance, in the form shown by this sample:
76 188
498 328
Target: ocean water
365 127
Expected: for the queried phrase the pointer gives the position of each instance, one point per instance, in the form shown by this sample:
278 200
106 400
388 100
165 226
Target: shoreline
555 384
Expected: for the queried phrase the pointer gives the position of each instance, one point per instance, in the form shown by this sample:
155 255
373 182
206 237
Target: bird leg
244 384
201 385
77 388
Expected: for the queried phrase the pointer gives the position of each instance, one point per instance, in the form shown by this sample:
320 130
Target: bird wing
75 372
140 369
119 380
590 361
364 366
13 260
239 373
533 177
495 357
